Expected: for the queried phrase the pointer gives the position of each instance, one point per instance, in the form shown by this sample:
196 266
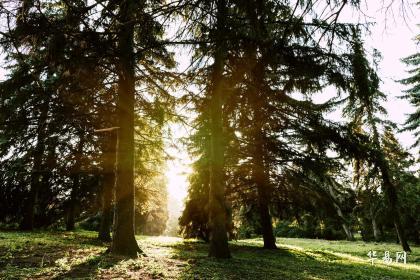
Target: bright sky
177 170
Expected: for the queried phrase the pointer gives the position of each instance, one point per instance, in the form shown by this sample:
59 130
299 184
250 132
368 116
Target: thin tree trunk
389 188
416 236
298 219
31 202
266 223
217 209
260 174
44 217
263 188
375 228
347 231
108 161
73 201
346 228
259 167
123 239
71 206
391 194
70 219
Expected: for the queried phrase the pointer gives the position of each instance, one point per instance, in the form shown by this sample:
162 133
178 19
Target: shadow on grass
45 254
80 255
89 269
250 262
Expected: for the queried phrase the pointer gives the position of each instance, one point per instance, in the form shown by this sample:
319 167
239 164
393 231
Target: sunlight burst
177 179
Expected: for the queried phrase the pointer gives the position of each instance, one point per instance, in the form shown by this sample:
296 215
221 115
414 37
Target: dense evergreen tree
413 93
79 59
364 105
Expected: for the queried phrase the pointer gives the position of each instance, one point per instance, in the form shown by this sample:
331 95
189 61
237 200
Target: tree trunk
74 194
217 209
259 167
391 194
70 219
416 236
346 228
71 206
266 224
375 228
108 182
263 188
347 231
123 239
30 203
44 217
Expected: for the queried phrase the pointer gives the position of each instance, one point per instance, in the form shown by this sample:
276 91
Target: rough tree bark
217 208
123 239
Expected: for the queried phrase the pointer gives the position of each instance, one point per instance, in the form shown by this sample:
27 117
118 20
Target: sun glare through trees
209 139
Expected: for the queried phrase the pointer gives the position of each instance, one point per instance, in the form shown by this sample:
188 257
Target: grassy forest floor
78 255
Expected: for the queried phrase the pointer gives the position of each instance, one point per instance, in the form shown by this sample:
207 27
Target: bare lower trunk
70 216
71 206
267 227
27 222
108 187
391 194
347 231
264 193
73 201
123 239
74 195
104 232
375 229
416 237
346 228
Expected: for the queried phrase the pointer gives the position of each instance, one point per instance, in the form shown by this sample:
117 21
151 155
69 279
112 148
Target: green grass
78 255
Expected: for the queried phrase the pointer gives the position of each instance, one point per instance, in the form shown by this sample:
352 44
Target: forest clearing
210 139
